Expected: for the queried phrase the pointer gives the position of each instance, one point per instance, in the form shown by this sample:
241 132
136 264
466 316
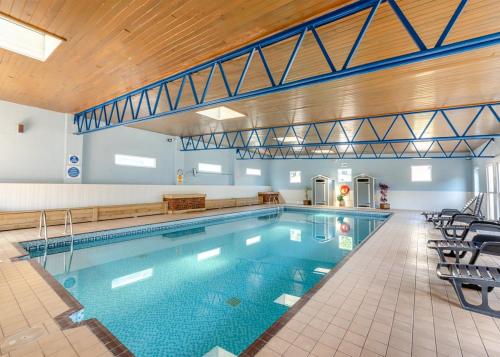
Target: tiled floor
385 301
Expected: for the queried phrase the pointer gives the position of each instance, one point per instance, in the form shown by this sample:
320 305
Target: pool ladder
68 222
275 200
42 232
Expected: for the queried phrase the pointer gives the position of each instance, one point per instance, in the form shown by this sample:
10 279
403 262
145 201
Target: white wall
99 151
451 185
38 154
17 197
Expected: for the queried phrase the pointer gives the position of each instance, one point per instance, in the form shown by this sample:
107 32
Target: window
344 175
208 254
136 161
295 177
492 191
295 235
421 173
212 168
476 180
253 172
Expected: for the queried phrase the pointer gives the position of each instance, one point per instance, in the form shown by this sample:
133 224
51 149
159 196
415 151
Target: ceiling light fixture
220 113
26 40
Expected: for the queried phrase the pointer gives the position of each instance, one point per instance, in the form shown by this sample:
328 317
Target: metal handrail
43 225
43 228
68 218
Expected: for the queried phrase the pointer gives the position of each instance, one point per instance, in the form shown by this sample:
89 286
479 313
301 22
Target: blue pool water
183 291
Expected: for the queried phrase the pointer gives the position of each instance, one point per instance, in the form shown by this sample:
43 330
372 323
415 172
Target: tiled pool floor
385 301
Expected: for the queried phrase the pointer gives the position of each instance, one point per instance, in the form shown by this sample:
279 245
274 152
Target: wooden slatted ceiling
444 82
114 46
468 78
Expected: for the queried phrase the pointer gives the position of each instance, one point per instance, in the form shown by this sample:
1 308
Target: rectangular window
253 172
212 168
135 161
476 180
421 173
344 175
295 177
491 192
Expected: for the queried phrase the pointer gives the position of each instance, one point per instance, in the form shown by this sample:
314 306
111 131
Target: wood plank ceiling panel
467 78
114 46
472 77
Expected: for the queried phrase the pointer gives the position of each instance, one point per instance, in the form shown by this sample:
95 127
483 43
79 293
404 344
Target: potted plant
384 189
307 201
340 198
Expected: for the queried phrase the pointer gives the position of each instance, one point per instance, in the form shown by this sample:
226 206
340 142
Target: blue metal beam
85 123
321 133
368 152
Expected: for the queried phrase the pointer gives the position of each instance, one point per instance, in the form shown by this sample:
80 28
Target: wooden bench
30 219
231 202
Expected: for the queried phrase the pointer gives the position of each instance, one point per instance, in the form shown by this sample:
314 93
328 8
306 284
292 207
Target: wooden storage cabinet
269 197
179 203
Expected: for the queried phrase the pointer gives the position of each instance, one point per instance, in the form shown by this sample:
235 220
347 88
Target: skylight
289 139
322 151
25 40
221 113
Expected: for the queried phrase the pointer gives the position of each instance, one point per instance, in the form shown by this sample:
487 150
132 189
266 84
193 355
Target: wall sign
73 172
180 177
74 160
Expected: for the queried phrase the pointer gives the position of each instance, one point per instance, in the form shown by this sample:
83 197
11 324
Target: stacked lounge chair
448 212
461 271
486 241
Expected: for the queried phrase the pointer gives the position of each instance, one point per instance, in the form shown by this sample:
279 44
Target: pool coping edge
117 348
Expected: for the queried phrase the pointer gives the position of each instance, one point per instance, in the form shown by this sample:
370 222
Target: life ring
345 228
344 190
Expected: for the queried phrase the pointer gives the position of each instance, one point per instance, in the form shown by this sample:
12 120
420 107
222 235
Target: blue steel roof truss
86 121
399 131
367 151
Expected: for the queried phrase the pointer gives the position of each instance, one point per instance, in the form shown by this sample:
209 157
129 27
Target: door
364 193
320 192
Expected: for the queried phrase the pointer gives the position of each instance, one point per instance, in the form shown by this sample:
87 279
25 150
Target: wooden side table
181 203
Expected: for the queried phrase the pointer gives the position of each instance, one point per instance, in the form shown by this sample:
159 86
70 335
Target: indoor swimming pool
183 290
